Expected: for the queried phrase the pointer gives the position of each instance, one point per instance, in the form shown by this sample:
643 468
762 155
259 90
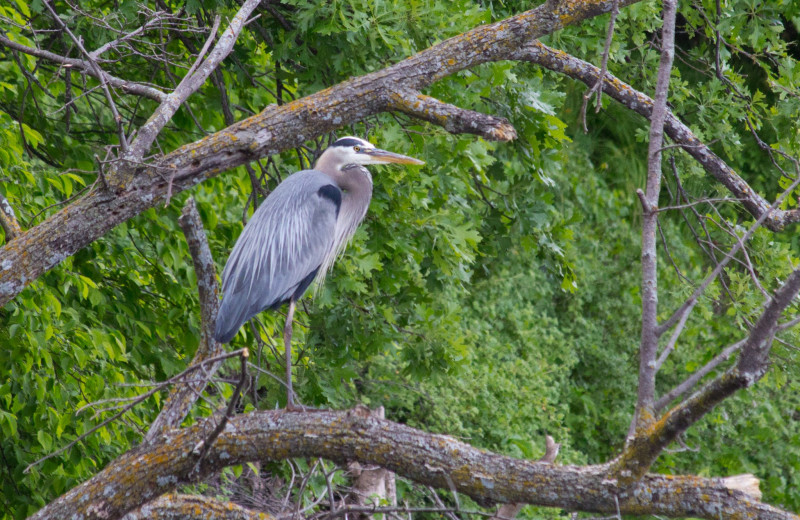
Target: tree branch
193 80
129 87
629 97
275 129
648 347
642 451
436 460
183 396
450 117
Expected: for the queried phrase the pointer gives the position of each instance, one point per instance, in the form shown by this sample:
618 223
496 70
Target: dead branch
182 397
648 348
644 448
154 469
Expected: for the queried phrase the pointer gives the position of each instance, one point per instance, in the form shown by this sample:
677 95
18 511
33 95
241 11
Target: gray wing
280 250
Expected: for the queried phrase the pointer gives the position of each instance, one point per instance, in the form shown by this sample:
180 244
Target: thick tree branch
173 506
129 87
183 396
275 129
437 460
587 73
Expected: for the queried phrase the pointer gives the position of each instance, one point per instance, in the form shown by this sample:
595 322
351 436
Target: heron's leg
287 345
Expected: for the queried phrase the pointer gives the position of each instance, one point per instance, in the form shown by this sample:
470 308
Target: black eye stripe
348 141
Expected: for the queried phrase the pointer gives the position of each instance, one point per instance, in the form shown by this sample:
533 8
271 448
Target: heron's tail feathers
230 319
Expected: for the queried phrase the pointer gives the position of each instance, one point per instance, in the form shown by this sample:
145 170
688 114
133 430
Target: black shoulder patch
347 141
331 192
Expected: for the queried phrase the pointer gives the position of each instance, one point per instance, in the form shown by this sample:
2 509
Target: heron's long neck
356 185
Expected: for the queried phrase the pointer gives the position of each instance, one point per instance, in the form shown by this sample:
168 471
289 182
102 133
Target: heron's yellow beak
390 157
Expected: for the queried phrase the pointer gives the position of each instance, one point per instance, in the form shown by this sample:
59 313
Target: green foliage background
492 294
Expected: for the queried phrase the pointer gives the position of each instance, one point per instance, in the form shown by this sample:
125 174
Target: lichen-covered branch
183 396
152 470
620 91
138 186
8 219
174 506
454 119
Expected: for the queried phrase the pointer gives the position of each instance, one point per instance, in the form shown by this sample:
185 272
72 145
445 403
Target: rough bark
138 186
438 460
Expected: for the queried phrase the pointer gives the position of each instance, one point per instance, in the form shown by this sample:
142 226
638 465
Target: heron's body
296 234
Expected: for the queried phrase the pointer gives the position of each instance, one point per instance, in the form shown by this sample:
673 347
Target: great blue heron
296 234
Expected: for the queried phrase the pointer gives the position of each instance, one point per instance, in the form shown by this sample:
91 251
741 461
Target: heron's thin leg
287 345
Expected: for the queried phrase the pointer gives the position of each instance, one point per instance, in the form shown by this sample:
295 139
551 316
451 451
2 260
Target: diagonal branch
454 119
642 451
193 80
98 73
183 396
629 97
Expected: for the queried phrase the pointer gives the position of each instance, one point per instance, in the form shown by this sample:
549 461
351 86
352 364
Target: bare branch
648 348
587 73
98 72
182 397
695 378
130 87
191 82
641 451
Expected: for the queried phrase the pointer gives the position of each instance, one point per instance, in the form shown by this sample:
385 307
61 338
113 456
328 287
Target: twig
695 378
136 401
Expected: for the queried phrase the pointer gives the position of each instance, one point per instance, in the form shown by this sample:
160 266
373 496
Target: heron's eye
356 149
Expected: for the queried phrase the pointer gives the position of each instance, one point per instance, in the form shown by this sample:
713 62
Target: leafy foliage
492 294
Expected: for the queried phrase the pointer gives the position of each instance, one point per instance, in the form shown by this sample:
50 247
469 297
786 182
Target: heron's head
353 150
